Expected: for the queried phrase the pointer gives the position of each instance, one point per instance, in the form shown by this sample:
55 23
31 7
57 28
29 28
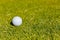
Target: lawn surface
41 19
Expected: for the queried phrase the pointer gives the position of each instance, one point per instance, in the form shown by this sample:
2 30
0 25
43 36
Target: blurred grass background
41 19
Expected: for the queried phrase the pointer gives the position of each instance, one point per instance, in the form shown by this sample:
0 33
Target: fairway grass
41 19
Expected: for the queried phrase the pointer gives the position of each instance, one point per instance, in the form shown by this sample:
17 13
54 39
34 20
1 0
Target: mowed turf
41 19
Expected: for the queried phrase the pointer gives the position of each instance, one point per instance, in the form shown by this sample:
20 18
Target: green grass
41 19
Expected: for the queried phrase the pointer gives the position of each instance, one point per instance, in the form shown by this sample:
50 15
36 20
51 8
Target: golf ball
17 21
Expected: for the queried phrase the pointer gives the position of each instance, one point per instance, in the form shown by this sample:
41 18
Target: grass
41 19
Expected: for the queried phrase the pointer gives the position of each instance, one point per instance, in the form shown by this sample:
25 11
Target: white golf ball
17 21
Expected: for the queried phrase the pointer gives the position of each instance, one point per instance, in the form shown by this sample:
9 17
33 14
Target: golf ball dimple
17 21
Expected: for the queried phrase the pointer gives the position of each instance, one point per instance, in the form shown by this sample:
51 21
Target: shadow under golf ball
11 24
